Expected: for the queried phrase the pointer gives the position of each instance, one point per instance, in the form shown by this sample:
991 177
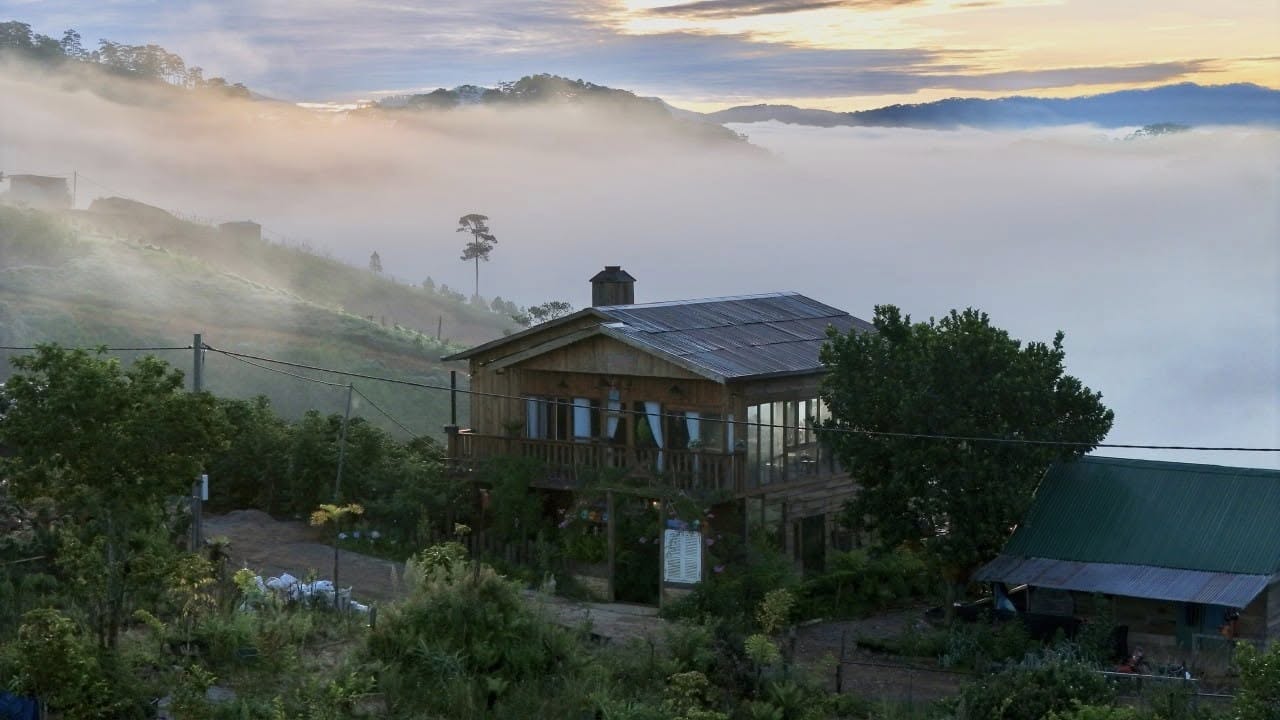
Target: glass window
548 418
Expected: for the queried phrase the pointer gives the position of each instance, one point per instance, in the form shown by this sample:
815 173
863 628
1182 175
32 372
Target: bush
856 583
1258 697
980 646
1030 690
465 643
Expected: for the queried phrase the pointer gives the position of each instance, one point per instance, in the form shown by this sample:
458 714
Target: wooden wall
602 355
1156 621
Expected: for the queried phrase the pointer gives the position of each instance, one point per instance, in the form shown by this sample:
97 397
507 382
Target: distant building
1185 555
38 191
241 230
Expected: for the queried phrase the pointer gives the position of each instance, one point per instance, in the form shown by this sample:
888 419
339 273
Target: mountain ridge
1181 103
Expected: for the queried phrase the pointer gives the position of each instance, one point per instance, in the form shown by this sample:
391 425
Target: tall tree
958 376
375 262
111 447
481 243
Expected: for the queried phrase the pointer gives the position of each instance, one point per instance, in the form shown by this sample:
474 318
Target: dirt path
271 547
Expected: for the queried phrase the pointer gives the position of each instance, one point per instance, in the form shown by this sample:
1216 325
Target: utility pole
453 397
75 181
337 490
200 487
342 448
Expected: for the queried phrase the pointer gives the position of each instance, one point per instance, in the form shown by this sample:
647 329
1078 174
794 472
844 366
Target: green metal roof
1162 514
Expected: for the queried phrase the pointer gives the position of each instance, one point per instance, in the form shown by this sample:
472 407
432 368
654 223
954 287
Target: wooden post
453 397
662 555
611 525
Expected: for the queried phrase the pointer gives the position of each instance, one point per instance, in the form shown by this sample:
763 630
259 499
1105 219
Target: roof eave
527 332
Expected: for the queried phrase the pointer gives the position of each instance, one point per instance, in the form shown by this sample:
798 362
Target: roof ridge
1173 464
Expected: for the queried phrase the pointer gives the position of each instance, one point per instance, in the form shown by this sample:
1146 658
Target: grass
75 288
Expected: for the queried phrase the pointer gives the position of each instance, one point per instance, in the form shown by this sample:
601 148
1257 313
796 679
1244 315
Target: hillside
124 279
544 89
1184 104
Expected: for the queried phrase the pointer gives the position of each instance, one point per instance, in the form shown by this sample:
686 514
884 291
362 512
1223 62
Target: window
549 418
782 439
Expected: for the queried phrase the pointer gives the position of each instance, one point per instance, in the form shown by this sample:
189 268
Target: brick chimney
613 286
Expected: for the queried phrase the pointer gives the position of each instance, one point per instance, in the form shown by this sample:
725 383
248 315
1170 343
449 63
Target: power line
385 414
354 389
99 347
278 370
747 423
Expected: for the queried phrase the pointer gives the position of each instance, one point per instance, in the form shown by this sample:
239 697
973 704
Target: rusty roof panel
1145 581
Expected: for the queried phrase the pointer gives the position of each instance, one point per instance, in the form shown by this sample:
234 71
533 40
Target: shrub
979 646
466 641
856 583
1258 697
1030 690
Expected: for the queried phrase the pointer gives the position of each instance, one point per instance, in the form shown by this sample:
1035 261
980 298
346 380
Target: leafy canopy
958 376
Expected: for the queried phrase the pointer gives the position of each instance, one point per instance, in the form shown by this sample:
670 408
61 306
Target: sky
697 54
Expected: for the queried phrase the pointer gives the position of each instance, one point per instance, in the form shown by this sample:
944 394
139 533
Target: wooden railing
570 463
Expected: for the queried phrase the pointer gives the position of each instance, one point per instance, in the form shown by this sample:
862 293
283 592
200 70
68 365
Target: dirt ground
271 547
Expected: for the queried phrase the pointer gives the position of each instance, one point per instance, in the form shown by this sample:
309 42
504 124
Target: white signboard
682 556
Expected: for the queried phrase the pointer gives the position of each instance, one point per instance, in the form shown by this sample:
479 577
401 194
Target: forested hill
126 275
157 72
544 89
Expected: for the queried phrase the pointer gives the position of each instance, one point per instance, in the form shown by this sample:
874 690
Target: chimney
612 286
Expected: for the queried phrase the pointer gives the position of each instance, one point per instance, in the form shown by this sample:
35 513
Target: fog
1158 257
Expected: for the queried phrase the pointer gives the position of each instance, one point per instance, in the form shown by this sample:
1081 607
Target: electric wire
284 372
249 359
385 414
28 348
747 423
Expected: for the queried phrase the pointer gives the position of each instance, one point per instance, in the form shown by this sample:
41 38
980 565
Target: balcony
572 463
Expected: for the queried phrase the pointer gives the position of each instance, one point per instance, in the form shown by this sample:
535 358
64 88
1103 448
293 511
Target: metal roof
724 338
737 337
1142 512
1195 586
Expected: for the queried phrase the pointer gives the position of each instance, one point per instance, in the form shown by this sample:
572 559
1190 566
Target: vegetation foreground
104 614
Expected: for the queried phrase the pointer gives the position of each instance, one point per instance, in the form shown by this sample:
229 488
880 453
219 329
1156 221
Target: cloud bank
1157 257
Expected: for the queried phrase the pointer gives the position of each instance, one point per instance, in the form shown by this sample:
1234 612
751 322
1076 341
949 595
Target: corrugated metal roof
1145 581
1141 512
736 337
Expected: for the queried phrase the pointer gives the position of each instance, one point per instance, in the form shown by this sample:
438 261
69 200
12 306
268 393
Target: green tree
958 376
481 243
112 448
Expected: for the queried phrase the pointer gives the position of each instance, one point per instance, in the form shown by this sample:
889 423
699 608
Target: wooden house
716 396
1187 556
